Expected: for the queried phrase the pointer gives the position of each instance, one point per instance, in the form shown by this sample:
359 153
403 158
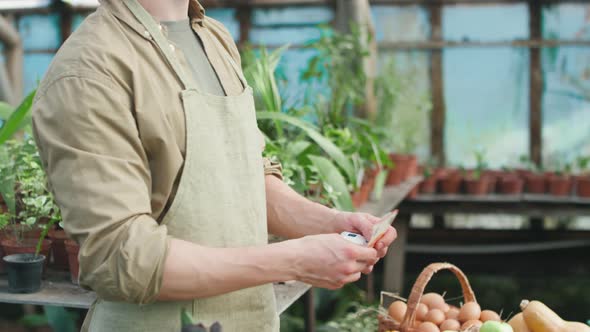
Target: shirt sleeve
99 173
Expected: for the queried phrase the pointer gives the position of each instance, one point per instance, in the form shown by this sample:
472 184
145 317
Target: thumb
363 224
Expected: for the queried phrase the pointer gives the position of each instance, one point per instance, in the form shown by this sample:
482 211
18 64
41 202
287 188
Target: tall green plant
337 65
402 108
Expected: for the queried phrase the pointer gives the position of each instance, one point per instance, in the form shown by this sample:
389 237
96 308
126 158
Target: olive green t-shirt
182 35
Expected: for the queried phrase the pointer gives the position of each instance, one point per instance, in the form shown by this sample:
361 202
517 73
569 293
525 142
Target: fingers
364 254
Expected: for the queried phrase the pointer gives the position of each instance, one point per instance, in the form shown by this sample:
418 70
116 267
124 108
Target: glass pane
566 71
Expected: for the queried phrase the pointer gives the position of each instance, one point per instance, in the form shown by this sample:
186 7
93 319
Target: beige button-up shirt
109 123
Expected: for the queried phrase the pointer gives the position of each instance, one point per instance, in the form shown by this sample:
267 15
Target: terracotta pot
478 187
367 186
583 186
357 199
560 185
450 183
72 248
58 249
26 246
428 185
404 166
2 237
536 183
26 232
493 178
511 185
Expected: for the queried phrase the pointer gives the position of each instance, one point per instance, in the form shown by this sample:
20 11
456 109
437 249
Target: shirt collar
196 13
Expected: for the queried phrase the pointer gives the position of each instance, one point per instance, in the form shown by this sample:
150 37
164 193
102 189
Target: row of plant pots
403 168
482 182
18 256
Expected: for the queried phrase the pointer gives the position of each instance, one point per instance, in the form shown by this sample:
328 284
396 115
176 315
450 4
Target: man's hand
329 261
362 223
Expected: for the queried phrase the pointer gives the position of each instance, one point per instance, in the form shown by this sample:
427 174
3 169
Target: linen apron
220 202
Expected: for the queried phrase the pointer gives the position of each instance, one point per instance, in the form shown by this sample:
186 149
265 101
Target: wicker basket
407 325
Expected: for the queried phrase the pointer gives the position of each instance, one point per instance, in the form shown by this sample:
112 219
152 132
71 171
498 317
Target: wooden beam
437 122
441 44
536 86
244 17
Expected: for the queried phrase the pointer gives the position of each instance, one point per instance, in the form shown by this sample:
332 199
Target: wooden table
57 290
536 206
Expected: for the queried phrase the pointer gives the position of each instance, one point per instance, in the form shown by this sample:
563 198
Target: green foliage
333 182
338 65
402 109
18 119
360 319
24 184
60 319
583 163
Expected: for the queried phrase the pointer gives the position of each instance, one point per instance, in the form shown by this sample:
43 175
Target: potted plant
535 179
510 183
430 179
450 181
403 111
4 221
560 181
583 178
25 270
25 185
476 181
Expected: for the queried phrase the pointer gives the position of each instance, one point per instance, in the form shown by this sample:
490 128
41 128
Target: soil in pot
450 183
583 186
72 248
477 186
357 199
560 185
511 185
58 248
536 183
26 246
24 272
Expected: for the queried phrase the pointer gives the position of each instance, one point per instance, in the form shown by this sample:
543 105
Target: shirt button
172 47
146 34
160 27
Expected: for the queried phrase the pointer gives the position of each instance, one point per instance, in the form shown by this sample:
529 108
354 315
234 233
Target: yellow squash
539 318
518 324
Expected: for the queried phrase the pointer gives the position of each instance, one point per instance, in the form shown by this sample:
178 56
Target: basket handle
420 285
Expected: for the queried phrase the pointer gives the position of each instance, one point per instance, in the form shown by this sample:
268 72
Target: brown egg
435 316
487 315
445 308
471 323
397 310
428 327
469 311
433 301
451 325
421 311
416 324
453 313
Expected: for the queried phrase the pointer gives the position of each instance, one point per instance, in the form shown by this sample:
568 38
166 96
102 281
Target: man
149 138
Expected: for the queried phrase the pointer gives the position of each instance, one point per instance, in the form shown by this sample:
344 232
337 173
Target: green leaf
186 318
380 184
328 146
331 176
17 119
296 148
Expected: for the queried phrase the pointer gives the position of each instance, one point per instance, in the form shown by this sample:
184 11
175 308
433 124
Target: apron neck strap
153 29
